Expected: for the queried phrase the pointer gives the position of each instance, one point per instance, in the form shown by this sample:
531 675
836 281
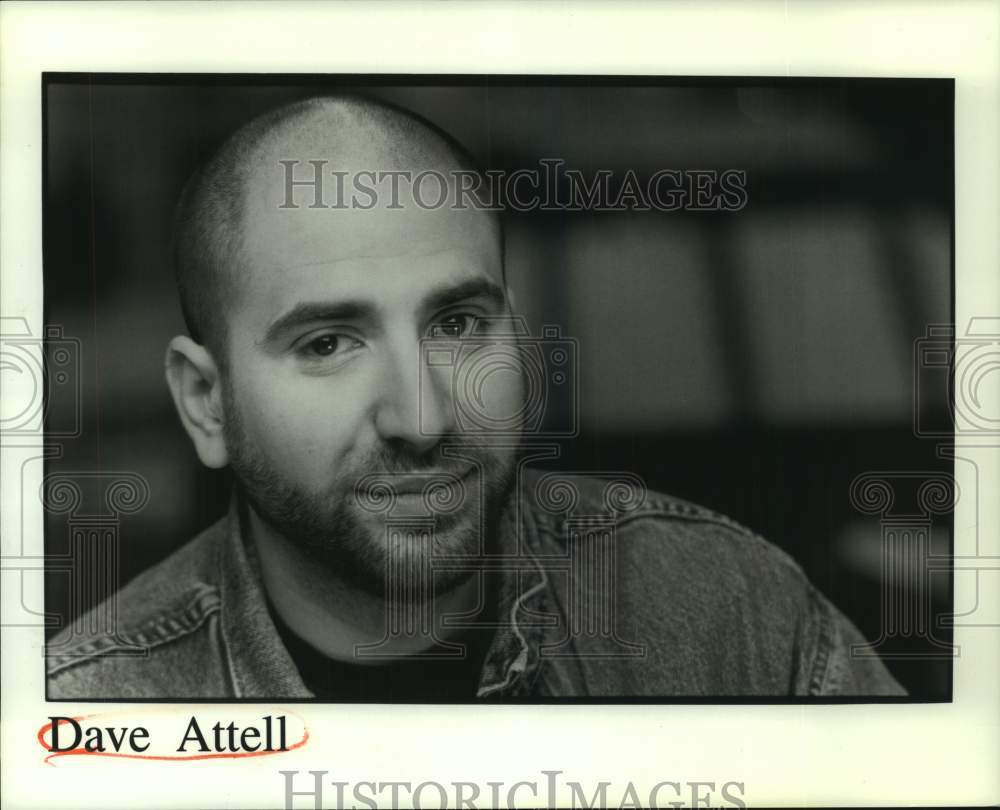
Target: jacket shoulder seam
666 510
155 632
824 643
687 514
691 514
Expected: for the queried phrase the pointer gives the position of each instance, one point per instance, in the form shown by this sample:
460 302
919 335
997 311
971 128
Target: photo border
832 755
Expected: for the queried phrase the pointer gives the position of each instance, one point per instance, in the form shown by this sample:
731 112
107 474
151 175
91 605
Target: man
382 545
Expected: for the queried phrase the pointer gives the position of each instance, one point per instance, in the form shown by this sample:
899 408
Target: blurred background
753 362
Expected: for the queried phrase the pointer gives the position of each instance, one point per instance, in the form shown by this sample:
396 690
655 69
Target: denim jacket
608 591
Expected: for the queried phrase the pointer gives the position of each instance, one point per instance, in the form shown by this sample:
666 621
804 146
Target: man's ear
196 386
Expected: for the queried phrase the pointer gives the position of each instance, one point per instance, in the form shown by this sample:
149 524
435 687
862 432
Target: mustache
453 456
436 474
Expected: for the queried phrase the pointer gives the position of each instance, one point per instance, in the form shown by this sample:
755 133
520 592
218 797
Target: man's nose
416 405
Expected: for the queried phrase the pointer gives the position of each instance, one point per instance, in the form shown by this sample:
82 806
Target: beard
359 530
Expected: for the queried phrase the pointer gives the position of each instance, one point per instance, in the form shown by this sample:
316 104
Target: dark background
754 362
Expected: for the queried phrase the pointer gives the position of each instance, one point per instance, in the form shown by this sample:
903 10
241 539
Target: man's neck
332 614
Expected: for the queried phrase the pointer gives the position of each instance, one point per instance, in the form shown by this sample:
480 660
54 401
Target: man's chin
401 554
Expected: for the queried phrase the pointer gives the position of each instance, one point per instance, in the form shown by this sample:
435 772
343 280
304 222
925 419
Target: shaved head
216 208
318 326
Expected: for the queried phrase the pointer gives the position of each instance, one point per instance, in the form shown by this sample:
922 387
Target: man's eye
454 326
328 345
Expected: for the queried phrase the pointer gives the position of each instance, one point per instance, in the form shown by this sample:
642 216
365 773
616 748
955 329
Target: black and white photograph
424 404
457 389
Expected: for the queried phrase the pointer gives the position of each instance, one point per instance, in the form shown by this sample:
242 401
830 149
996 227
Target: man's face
326 386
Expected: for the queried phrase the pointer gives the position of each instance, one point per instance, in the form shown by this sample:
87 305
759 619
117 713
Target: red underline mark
161 757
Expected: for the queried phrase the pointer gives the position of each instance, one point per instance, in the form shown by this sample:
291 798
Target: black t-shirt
398 679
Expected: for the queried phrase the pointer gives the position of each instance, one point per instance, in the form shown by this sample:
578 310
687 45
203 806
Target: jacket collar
260 665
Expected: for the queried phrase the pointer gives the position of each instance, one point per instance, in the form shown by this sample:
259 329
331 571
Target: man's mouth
417 484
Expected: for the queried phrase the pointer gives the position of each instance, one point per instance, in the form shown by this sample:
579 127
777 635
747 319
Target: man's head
304 369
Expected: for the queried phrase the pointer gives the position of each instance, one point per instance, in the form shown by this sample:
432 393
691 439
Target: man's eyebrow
318 311
464 291
357 310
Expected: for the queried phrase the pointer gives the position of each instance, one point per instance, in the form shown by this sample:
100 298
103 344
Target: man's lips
403 484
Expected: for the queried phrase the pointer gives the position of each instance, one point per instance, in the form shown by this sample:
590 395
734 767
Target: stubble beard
339 530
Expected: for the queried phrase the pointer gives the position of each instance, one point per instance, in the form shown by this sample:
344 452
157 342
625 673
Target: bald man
379 545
